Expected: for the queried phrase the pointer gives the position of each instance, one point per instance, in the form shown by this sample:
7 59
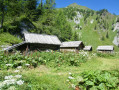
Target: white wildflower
1 85
84 55
73 86
71 77
8 77
9 82
27 64
16 71
20 82
79 79
8 64
18 76
19 67
12 81
94 54
70 73
11 88
21 61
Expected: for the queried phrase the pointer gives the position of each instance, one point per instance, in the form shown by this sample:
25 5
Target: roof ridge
72 41
41 34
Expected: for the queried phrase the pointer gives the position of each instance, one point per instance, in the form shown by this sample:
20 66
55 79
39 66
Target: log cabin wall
68 49
43 47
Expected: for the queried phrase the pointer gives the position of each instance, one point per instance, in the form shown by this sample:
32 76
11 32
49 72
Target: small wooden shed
107 49
38 42
73 46
16 46
87 48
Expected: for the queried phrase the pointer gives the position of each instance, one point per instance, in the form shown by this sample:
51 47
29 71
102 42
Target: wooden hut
16 46
108 49
38 42
73 46
87 48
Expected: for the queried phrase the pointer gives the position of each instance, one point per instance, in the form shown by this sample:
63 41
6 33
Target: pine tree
14 8
64 27
40 8
3 3
50 4
107 36
75 37
30 8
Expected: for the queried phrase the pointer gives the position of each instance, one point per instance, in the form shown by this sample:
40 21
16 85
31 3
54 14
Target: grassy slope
93 37
55 78
8 39
78 6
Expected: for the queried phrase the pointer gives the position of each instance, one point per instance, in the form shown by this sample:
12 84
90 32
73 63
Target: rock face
77 18
116 40
116 27
77 21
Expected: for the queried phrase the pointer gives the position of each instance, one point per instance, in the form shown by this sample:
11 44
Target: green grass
8 39
49 78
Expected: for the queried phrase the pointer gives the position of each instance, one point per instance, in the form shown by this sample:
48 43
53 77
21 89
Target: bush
96 80
14 60
55 59
52 59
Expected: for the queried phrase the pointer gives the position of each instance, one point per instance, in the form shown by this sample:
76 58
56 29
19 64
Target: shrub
96 80
52 59
57 58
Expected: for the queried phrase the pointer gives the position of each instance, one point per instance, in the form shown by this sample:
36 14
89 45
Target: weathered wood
72 46
108 49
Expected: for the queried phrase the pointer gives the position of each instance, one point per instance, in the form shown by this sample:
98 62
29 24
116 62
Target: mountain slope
75 5
94 27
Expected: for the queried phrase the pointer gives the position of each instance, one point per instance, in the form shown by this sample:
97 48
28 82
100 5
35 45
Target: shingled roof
71 44
41 38
14 46
87 48
105 48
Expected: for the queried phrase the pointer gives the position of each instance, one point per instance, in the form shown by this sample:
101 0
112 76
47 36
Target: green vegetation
52 71
53 59
96 80
8 39
49 70
95 28
34 17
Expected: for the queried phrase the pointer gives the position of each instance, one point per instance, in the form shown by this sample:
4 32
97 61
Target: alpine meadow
43 47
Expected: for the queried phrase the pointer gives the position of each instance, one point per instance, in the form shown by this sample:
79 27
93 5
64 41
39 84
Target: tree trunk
2 20
2 9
